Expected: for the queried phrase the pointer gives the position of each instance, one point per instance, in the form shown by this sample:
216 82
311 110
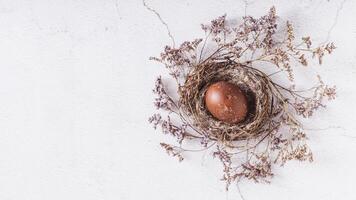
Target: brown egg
226 102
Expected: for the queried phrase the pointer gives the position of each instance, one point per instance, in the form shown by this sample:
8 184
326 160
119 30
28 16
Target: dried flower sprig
271 134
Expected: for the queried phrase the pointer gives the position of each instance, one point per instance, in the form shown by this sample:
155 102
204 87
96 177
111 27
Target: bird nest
241 54
251 81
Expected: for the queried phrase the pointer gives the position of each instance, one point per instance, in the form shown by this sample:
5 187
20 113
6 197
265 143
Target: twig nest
253 83
267 132
226 102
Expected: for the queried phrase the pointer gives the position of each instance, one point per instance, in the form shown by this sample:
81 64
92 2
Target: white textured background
75 95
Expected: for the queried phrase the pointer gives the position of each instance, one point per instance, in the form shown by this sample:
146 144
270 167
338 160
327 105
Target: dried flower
162 100
172 151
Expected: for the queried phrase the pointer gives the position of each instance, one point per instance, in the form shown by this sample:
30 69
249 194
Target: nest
271 133
251 81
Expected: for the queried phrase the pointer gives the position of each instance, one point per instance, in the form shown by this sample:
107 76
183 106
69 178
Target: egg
226 102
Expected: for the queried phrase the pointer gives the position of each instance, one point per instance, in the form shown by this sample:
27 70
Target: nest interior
251 81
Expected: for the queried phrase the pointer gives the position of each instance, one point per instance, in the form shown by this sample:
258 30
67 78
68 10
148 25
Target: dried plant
271 134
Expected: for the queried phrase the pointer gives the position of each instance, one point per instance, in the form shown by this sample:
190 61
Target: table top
76 92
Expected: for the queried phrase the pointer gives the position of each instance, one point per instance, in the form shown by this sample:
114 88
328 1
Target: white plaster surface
75 95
